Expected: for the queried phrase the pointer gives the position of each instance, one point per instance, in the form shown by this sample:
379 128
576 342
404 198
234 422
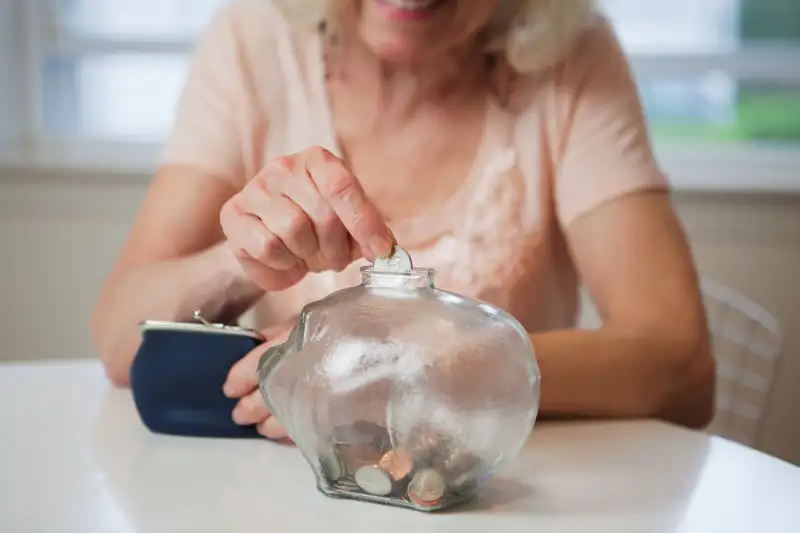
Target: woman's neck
446 78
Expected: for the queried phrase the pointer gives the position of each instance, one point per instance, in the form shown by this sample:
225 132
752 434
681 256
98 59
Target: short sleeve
207 131
606 150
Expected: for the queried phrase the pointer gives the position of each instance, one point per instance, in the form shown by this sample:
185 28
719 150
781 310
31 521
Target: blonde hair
533 34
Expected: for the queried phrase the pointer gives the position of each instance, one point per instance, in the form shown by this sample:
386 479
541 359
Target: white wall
60 232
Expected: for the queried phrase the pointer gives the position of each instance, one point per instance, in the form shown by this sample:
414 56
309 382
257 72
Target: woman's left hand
242 383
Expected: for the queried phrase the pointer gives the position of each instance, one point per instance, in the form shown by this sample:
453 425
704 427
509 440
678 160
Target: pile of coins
424 471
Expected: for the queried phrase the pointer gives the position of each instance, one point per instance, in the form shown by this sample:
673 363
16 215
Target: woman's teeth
412 5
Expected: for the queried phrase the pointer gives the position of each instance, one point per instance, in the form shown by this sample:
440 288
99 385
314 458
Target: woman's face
411 31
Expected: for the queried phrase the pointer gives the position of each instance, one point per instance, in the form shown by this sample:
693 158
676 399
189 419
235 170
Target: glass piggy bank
397 392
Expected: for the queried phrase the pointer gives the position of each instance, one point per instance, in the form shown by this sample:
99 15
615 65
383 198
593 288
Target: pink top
256 90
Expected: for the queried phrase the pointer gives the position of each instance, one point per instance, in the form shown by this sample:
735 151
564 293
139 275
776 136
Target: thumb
243 376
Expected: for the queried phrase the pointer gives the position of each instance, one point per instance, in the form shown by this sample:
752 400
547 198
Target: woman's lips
409 9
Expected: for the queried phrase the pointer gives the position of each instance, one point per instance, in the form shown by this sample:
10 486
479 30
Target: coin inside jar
355 456
426 488
398 261
397 463
461 467
378 435
373 480
425 445
330 464
352 434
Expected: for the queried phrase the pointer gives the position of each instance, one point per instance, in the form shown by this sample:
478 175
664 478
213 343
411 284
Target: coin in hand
398 261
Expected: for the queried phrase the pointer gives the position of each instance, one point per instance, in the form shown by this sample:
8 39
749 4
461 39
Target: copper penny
426 488
397 463
415 499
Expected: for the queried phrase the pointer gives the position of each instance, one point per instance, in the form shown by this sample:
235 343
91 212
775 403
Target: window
111 69
723 73
713 71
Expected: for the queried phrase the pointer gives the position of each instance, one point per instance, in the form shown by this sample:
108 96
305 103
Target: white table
75 458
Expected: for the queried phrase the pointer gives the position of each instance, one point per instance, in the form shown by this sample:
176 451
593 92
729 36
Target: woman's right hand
302 213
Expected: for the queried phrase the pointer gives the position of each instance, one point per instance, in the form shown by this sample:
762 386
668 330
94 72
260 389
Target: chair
746 343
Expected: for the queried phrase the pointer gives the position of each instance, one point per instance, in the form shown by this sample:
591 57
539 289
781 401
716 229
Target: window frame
771 62
740 166
38 145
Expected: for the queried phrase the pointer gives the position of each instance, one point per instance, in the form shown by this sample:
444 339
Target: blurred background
88 89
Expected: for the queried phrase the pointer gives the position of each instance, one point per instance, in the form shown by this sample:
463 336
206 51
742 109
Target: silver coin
426 486
398 261
330 463
351 434
373 480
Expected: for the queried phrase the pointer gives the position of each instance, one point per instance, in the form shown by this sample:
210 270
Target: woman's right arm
175 261
302 212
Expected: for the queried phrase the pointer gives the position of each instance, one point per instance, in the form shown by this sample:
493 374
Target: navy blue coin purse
178 373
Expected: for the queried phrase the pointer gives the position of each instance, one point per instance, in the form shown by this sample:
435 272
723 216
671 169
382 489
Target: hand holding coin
302 213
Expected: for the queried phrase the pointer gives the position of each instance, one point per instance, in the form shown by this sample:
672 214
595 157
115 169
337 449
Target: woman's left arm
652 356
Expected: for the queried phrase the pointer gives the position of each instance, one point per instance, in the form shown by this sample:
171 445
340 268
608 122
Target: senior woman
503 143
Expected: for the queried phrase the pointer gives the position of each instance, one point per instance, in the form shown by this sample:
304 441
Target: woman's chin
395 51
394 56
